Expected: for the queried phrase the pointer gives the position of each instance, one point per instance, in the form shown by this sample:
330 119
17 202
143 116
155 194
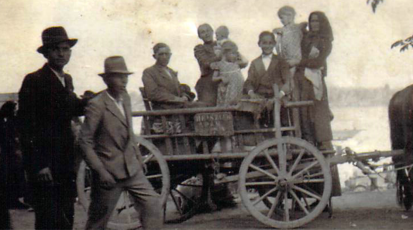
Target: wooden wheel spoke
148 158
264 196
296 161
274 166
286 210
154 176
307 192
304 180
299 202
305 169
314 175
260 183
274 205
305 201
263 171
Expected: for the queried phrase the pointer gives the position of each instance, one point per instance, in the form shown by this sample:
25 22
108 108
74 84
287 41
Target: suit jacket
261 81
107 139
46 109
160 88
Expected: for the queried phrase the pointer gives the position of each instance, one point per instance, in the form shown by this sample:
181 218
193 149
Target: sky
361 54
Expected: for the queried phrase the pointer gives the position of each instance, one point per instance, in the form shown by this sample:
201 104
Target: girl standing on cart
228 73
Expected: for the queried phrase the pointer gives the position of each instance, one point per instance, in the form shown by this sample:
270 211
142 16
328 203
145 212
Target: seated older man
161 83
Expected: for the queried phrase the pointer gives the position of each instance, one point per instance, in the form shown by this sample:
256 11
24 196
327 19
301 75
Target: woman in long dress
316 47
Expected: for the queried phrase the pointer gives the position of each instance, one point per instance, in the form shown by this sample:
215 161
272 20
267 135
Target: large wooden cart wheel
125 216
285 182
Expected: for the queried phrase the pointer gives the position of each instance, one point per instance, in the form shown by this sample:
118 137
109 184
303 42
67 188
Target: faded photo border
364 71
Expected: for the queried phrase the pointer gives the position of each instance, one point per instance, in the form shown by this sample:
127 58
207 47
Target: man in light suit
109 148
161 83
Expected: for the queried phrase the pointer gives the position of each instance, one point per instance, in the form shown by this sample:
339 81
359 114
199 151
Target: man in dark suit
161 83
109 147
266 70
205 55
47 105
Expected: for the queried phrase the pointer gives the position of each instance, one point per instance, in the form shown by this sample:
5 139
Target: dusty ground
366 210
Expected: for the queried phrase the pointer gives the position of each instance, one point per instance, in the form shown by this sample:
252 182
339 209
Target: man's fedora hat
115 64
53 36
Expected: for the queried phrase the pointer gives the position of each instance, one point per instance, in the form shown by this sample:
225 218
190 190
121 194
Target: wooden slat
187 147
147 124
168 140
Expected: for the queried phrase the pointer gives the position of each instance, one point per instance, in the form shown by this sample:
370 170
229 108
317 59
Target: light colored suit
107 138
108 142
161 88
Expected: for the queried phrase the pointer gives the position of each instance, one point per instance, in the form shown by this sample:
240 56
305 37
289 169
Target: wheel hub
284 184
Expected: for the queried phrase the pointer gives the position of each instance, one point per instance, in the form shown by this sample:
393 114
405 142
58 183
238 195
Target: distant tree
404 43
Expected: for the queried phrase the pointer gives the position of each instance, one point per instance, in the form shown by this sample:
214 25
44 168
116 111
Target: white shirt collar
118 104
269 56
61 78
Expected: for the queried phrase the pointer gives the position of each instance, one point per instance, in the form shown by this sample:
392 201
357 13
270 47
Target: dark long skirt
315 120
207 90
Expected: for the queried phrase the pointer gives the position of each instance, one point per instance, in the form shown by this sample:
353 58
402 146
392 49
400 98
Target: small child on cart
289 36
228 73
222 35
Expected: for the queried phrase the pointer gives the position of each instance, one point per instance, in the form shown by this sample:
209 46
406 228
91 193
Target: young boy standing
266 70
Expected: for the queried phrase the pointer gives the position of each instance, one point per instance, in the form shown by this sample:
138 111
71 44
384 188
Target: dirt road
366 210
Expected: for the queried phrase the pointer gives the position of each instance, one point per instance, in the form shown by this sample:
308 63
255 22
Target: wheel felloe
287 191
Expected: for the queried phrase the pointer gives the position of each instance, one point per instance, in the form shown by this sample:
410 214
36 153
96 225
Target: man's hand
253 95
45 175
293 62
106 180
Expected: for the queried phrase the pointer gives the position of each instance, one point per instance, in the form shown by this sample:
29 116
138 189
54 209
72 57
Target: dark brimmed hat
115 64
53 36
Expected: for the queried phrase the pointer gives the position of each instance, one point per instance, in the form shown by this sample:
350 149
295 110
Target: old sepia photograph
206 114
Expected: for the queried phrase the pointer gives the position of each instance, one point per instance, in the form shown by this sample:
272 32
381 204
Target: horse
401 134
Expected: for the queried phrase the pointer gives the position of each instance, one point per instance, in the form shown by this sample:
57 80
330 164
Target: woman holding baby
316 46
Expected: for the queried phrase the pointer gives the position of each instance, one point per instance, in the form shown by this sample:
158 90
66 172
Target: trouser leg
102 204
53 206
147 201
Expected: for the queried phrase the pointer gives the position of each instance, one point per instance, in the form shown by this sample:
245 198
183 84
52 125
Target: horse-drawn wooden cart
283 180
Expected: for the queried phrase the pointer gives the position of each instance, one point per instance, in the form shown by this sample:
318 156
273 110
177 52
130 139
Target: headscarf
325 31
